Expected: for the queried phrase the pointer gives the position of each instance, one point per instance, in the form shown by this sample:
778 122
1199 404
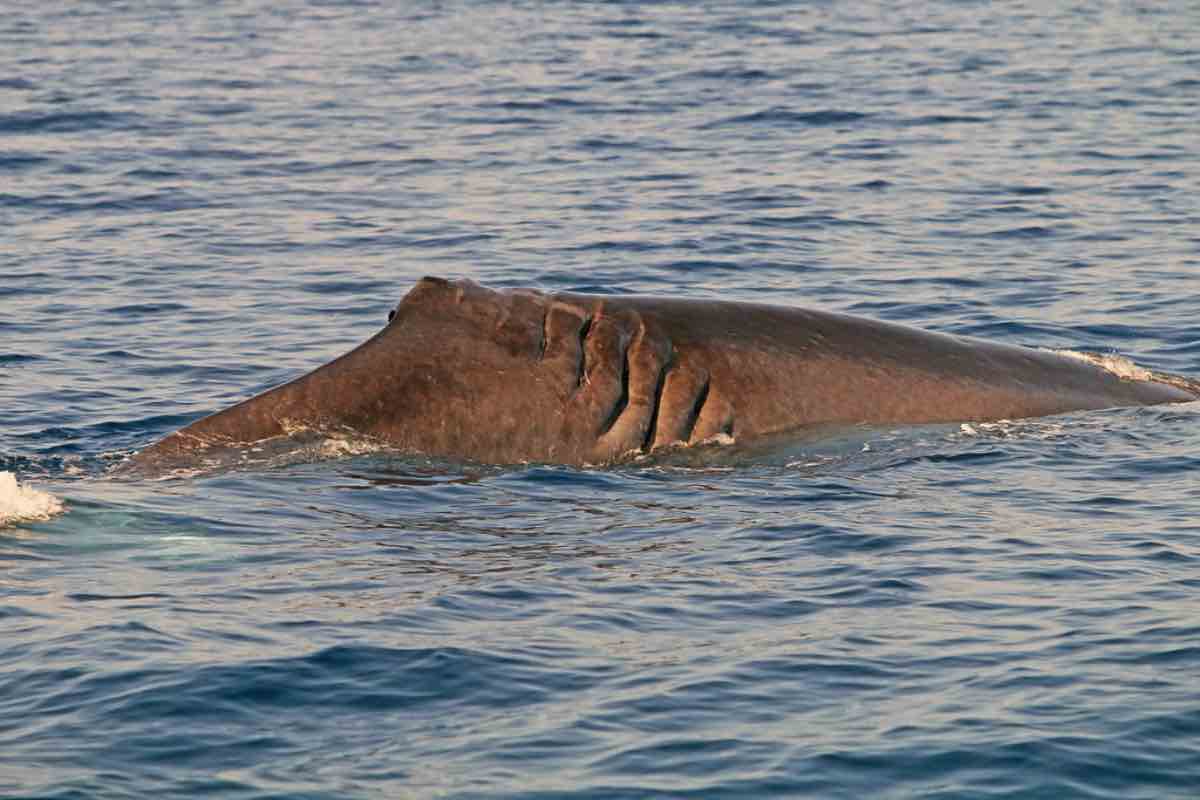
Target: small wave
739 74
783 116
1028 191
939 119
26 122
18 161
1026 232
25 504
18 358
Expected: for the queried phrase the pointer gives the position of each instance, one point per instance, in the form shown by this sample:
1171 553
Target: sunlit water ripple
200 200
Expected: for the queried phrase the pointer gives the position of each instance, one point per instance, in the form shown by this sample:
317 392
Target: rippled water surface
200 200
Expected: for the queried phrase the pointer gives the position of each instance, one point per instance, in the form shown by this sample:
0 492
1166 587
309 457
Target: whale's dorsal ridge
519 375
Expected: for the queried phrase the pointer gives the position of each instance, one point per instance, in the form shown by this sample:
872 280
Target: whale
514 376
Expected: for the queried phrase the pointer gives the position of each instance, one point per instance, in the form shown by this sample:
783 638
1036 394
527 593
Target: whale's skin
515 376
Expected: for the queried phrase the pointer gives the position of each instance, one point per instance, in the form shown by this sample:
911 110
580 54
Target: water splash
20 503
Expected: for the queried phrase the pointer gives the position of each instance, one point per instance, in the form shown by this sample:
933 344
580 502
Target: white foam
1118 365
1040 429
341 446
23 503
719 439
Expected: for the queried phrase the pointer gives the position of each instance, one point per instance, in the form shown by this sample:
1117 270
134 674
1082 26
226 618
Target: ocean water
201 200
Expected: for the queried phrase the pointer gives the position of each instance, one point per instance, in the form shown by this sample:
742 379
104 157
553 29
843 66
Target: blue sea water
201 200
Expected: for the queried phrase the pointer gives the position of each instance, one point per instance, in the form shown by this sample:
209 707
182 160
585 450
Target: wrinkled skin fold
514 376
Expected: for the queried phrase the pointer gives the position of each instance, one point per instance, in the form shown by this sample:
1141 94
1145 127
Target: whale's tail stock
1127 370
1178 381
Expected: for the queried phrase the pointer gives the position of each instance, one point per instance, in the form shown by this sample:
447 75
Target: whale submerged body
465 372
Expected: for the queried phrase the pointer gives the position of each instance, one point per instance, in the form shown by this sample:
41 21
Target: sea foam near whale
20 503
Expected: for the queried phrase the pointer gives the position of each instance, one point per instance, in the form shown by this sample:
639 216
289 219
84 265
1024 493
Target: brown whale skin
465 372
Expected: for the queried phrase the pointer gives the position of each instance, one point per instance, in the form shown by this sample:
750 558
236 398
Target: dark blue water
199 200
